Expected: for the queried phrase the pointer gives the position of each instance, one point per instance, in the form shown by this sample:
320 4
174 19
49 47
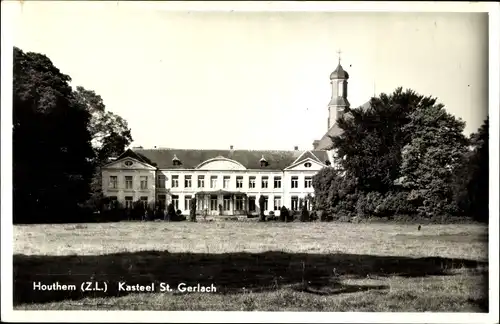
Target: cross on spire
339 52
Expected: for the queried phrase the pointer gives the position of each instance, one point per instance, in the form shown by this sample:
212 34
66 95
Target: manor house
230 178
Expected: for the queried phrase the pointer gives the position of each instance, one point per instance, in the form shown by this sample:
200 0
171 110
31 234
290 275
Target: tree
192 211
335 193
262 201
304 214
110 136
429 161
52 150
370 144
471 182
403 141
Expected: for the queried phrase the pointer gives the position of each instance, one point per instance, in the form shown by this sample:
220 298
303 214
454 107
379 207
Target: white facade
128 180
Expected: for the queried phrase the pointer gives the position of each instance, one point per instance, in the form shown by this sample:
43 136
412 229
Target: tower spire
339 52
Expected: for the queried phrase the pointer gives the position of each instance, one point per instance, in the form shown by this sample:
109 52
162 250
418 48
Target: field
255 266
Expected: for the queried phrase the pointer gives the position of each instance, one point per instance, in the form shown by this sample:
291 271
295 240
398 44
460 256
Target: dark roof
339 73
309 155
250 159
325 143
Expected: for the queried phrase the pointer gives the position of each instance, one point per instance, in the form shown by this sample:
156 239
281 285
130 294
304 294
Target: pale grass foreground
258 266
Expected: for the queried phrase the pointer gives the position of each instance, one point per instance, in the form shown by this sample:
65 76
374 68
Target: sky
254 80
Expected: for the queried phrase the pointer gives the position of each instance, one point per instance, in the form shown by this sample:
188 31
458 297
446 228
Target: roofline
106 166
220 158
293 165
215 149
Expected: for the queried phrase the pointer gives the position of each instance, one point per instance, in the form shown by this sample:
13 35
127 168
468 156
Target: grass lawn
255 266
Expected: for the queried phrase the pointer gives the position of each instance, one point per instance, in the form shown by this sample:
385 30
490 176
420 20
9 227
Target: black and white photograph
256 161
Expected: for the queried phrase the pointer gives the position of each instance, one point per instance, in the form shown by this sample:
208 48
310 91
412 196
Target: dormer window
263 162
176 160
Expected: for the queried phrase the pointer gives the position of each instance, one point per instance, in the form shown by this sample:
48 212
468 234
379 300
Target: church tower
338 103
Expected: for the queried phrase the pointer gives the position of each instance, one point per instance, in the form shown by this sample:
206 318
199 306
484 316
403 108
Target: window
175 201
227 203
265 181
295 182
113 182
144 201
295 203
213 202
277 182
187 181
129 202
128 182
266 202
201 181
161 181
251 182
144 182
307 164
175 181
238 203
239 182
340 89
226 180
251 203
277 202
129 163
308 182
162 200
213 181
187 202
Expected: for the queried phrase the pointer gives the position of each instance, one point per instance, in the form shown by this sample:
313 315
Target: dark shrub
324 216
313 216
396 203
220 210
284 215
369 204
271 216
192 210
171 215
304 214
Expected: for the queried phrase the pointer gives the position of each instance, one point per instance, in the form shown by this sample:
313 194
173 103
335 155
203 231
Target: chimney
231 147
296 148
315 144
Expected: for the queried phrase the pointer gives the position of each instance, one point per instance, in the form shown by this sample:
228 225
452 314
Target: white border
244 317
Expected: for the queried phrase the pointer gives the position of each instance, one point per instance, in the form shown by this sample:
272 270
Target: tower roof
339 73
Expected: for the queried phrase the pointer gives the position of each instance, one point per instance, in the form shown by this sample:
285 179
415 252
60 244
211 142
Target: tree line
61 137
405 156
